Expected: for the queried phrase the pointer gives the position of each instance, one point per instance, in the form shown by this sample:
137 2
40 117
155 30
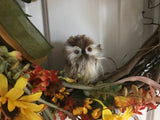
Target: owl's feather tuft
83 58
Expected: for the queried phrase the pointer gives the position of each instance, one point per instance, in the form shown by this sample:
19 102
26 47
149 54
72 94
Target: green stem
56 107
100 86
48 115
85 87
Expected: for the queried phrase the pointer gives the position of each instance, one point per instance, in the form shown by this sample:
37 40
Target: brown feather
87 65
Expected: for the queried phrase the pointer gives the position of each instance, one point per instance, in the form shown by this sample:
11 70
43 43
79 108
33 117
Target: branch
146 48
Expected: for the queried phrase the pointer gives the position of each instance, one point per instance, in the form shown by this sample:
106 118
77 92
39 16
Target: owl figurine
83 58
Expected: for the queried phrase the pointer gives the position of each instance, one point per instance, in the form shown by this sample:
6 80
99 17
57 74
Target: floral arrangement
31 92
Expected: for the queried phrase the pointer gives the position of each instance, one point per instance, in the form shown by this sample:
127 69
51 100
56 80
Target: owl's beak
83 52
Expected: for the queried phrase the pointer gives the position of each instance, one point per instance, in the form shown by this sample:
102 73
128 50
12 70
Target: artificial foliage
52 93
16 29
30 92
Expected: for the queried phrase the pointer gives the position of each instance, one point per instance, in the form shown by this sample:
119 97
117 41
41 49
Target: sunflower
14 99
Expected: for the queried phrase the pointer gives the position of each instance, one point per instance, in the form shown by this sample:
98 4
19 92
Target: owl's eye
89 49
76 51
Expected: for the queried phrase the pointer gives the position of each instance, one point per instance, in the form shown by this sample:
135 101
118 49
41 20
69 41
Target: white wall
116 24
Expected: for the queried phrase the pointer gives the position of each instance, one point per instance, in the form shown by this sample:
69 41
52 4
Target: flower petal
106 113
128 113
28 115
11 105
17 91
31 98
32 116
3 84
30 106
14 93
21 83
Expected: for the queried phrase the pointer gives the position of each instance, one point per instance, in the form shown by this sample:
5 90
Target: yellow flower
28 111
84 109
62 93
78 111
96 113
107 114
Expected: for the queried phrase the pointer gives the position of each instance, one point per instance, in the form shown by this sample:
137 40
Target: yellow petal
29 106
31 98
21 83
3 100
17 91
36 108
11 105
128 113
85 110
69 80
14 93
100 102
20 117
3 85
29 115
96 113
105 113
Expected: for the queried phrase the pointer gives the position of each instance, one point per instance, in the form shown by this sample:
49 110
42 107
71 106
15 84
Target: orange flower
80 110
84 109
139 99
88 101
121 101
41 79
96 113
62 93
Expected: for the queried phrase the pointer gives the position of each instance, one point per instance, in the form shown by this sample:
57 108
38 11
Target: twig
149 18
47 114
151 7
126 69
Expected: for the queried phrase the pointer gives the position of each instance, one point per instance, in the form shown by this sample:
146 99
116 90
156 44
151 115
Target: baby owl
83 58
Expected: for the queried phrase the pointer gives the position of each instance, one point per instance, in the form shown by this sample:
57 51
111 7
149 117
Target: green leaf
21 30
78 94
114 88
108 101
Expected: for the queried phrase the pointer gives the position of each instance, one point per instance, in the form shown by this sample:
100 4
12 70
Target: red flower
41 78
